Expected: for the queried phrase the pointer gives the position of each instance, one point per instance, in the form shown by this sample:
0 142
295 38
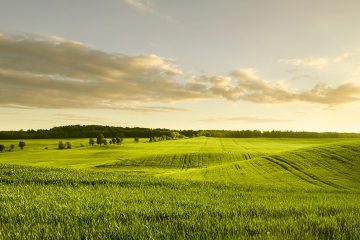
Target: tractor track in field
336 157
247 156
292 168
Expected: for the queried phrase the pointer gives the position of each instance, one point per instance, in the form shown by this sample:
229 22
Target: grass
197 188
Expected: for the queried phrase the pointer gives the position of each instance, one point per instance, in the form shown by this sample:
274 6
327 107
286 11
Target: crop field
196 188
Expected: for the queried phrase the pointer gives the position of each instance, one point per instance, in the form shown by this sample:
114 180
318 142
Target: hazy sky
205 64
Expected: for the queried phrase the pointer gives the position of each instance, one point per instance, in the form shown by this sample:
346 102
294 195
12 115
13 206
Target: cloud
154 109
323 93
246 119
144 6
69 118
51 72
244 84
342 57
140 5
315 62
62 74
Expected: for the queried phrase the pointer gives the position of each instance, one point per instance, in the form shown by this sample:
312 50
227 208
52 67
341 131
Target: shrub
22 145
12 147
61 145
91 141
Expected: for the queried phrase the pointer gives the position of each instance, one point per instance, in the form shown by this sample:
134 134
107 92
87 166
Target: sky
205 64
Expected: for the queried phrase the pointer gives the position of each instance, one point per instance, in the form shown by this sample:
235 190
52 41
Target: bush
12 147
2 147
61 145
119 140
91 141
22 145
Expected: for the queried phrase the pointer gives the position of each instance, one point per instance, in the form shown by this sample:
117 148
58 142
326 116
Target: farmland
188 188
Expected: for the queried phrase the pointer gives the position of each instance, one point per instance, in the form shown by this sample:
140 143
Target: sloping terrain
184 189
326 166
305 163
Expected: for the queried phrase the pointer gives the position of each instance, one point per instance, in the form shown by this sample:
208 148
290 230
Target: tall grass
43 203
186 189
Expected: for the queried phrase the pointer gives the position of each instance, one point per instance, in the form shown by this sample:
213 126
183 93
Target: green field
198 188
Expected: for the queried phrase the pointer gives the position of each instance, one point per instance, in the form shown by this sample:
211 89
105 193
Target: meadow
197 188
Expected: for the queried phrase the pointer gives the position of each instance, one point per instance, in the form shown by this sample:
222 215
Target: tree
91 141
119 140
136 140
22 145
68 145
104 141
2 147
174 135
99 139
113 140
61 145
153 139
12 147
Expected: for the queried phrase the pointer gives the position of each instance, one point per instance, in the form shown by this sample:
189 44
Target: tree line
89 131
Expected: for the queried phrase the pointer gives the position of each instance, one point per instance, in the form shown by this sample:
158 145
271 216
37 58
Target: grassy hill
185 189
326 166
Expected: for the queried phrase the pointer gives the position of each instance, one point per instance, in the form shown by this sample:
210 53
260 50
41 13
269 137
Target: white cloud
342 57
315 62
140 5
144 6
48 72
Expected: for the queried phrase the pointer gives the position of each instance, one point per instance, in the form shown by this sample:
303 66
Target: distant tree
2 147
153 139
91 141
68 145
22 145
12 147
61 145
104 141
136 140
113 140
174 135
119 140
100 139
